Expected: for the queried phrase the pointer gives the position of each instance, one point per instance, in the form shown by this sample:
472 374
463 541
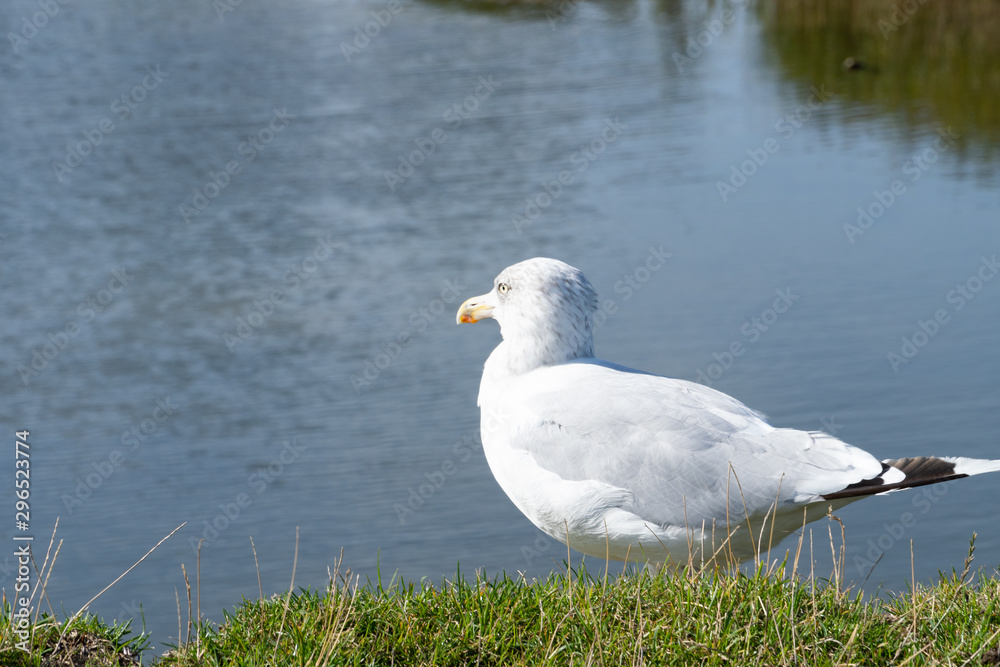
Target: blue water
202 358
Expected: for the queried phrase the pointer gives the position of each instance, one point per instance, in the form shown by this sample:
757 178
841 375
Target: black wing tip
918 471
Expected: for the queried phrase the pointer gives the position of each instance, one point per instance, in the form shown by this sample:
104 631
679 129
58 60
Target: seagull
625 465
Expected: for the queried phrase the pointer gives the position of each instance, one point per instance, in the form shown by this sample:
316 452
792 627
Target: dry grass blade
746 516
288 598
838 561
197 583
119 578
337 613
177 597
569 565
256 564
39 572
45 581
260 586
187 586
774 518
802 535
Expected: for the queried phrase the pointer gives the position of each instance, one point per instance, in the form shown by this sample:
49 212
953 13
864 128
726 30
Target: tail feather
915 471
973 466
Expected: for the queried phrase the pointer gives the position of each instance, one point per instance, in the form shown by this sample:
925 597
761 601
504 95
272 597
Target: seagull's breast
587 511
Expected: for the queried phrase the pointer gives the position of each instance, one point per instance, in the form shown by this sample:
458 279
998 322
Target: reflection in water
935 62
556 12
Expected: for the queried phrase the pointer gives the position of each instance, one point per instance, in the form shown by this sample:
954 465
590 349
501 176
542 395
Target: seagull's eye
503 288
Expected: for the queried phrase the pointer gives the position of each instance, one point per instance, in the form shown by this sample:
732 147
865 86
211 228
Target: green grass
82 641
711 617
643 618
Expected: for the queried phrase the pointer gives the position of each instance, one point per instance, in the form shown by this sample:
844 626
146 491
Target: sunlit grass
709 616
648 617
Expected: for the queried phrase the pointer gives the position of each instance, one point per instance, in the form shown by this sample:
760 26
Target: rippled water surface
232 246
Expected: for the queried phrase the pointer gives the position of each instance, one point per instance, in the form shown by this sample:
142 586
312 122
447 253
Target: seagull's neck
511 359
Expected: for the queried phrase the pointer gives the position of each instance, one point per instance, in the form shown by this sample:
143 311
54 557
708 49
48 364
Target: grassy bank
678 618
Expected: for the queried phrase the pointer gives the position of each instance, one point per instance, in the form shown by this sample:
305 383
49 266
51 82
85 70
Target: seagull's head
545 309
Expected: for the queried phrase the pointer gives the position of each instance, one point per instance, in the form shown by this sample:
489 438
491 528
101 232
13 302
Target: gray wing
683 451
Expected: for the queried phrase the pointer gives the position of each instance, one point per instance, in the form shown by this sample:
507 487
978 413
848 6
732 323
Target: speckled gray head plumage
545 309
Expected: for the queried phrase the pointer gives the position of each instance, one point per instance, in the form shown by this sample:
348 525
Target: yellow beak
474 309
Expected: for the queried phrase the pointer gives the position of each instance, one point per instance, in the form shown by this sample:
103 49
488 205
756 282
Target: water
186 393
